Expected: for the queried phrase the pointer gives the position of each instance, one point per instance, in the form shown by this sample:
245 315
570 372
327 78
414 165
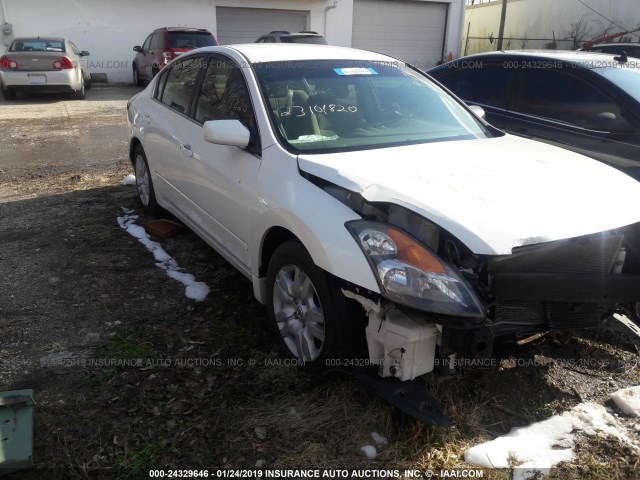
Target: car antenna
622 58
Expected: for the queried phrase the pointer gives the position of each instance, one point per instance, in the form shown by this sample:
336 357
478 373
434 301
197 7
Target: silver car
39 64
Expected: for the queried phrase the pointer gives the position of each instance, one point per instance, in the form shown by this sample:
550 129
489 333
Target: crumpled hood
492 194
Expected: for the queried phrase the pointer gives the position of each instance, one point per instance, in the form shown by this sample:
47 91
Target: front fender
316 218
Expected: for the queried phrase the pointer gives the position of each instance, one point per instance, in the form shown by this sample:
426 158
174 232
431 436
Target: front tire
137 81
144 184
306 310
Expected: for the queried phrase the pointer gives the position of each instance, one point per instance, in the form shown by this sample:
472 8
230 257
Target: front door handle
186 149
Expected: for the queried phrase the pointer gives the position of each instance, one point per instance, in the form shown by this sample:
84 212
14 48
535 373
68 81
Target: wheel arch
133 146
335 252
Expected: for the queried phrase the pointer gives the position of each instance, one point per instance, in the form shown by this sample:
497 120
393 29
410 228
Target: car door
142 59
220 180
166 122
562 107
488 85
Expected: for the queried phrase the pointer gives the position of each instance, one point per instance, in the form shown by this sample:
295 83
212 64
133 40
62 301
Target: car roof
181 29
585 59
282 52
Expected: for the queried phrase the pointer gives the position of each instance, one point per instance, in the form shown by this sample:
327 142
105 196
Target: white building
537 23
422 32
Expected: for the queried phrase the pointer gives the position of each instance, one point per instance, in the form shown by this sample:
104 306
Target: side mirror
477 110
226 132
84 53
607 122
137 48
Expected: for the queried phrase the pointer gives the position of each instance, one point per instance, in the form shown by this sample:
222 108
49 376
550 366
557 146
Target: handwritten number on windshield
300 111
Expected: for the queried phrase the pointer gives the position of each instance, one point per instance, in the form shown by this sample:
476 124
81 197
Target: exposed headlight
409 273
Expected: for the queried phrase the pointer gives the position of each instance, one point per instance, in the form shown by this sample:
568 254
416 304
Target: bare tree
579 31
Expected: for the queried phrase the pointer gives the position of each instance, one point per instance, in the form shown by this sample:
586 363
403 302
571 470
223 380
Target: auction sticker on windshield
355 71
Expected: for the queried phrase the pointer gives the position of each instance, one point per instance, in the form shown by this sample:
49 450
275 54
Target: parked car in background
341 181
43 64
281 36
163 45
586 102
631 49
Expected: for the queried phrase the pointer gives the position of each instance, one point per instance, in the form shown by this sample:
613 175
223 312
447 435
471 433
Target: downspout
326 11
6 31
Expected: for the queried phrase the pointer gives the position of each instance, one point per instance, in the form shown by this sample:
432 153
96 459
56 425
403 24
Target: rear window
37 45
180 84
191 40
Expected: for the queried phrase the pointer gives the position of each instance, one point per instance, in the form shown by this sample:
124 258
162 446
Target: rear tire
88 83
306 310
9 94
79 94
144 183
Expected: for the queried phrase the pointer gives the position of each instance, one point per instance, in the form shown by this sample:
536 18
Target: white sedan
364 201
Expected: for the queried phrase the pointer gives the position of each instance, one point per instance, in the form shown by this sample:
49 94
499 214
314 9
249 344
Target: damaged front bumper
569 284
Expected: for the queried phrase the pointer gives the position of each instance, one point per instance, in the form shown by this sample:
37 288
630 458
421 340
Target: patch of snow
537 448
197 291
379 439
129 180
369 451
628 400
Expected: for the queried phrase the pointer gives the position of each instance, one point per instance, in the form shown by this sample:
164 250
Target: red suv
162 46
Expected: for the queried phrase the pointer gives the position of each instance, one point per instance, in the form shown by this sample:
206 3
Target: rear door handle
186 149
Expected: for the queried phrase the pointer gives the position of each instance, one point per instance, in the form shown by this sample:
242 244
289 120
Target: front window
37 45
561 96
331 105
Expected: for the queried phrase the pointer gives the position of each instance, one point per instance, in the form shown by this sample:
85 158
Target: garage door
411 30
245 25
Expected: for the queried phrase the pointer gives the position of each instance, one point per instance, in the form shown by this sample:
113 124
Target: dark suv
281 36
162 46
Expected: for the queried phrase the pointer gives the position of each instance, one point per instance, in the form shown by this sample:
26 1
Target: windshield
37 45
331 105
191 40
628 79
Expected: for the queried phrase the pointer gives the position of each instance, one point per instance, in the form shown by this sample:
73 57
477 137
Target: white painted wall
542 18
110 29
